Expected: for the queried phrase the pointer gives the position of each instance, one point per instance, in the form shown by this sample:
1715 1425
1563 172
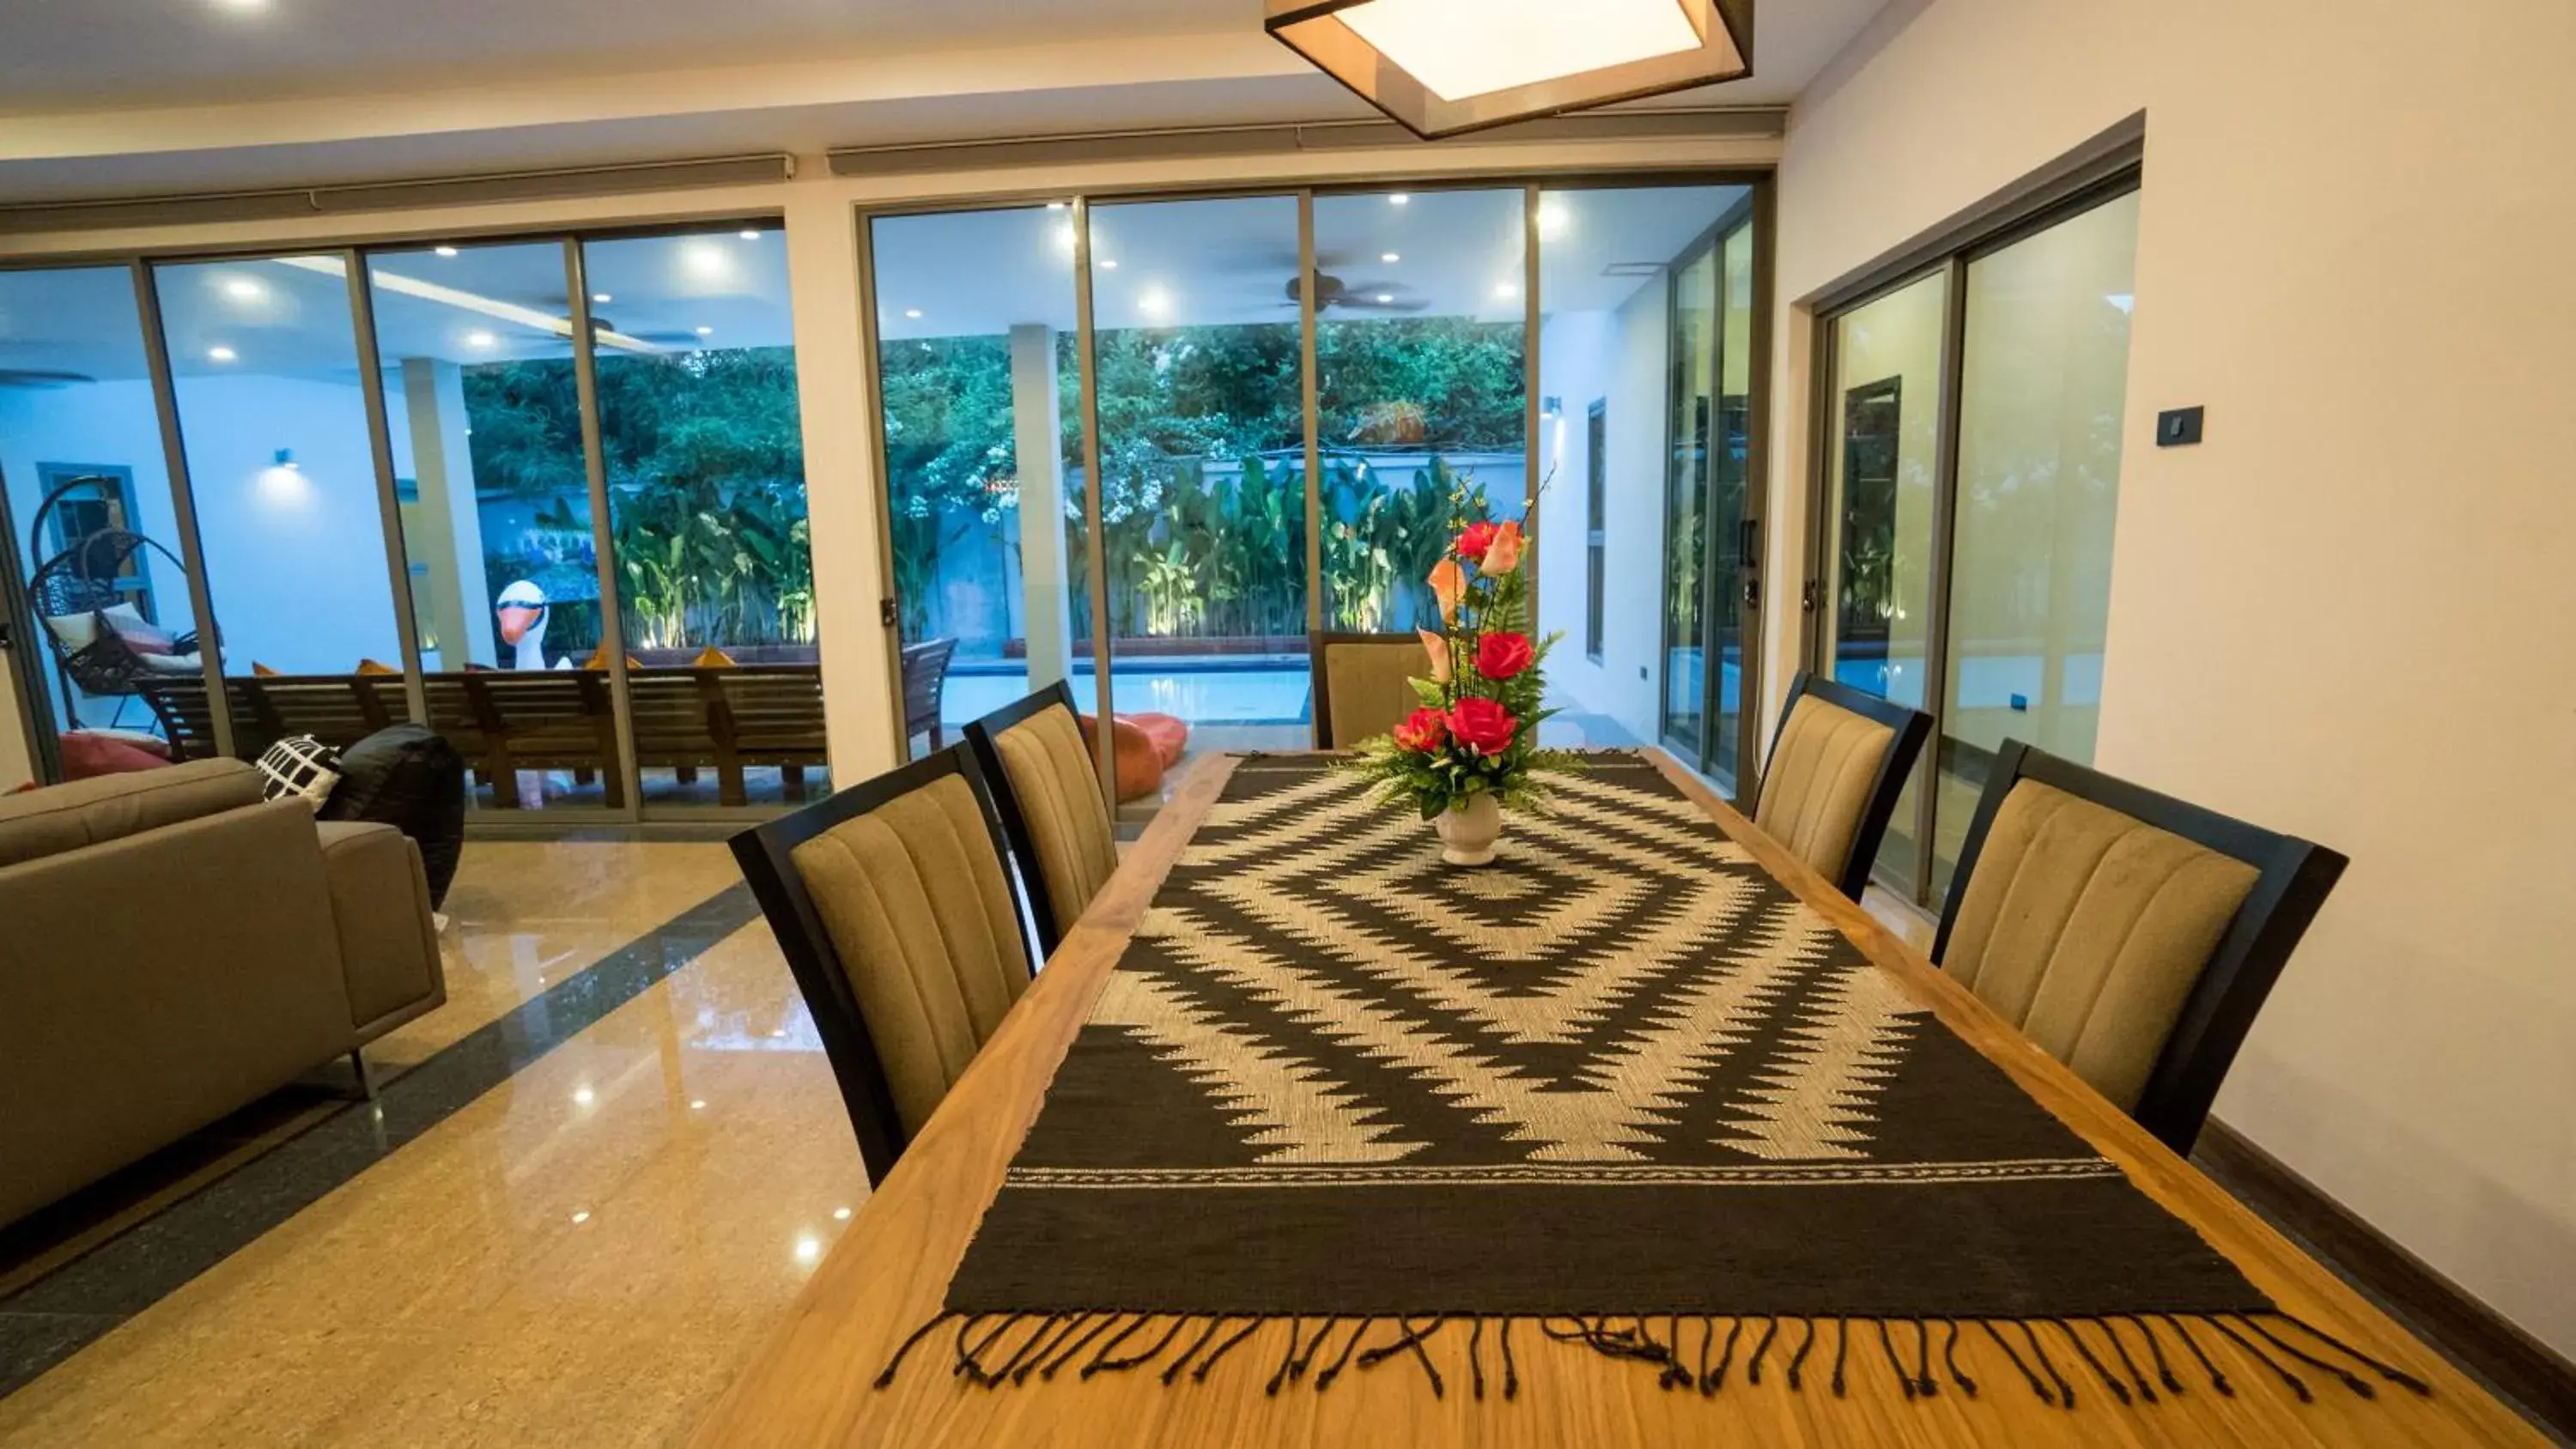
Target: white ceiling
109 97
81 54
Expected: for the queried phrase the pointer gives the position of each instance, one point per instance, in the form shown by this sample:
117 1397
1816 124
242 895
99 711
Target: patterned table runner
1621 1086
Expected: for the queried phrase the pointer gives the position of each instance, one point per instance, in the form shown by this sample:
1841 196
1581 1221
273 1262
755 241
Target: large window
983 455
562 523
1387 335
91 525
1422 401
1967 498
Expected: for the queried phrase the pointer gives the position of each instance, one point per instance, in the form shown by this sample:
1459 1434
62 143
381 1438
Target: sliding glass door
979 416
1294 399
1973 421
442 484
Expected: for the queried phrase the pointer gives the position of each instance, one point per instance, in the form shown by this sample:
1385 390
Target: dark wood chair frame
1911 728
766 854
2296 876
1316 645
1044 912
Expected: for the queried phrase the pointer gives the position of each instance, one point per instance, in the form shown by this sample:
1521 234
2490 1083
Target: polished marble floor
594 1182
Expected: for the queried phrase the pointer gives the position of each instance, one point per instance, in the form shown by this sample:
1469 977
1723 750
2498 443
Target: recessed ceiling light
1552 217
480 338
1064 236
444 251
581 1217
241 6
748 234
808 1248
1055 206
1397 198
840 1215
706 332
1506 289
1390 258
602 297
1154 302
243 289
697 1104
705 260
584 1095
1109 262
1385 297
222 354
912 312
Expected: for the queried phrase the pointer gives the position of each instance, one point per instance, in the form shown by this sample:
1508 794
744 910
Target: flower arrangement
1473 745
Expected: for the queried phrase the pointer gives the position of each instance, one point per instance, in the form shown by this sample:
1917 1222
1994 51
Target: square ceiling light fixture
1445 66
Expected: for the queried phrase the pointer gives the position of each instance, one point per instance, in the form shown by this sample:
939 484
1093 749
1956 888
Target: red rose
1500 656
1478 538
1425 731
1483 725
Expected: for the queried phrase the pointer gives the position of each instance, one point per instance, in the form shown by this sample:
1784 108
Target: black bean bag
411 778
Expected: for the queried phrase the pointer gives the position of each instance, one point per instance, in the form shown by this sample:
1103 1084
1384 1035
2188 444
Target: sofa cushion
89 812
408 777
380 905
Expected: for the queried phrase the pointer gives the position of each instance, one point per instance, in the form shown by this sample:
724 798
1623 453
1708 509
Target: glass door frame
2115 174
1758 210
1753 211
355 258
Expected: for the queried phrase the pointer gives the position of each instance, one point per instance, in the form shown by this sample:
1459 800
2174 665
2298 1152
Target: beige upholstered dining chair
1838 763
1054 814
2131 935
899 922
1361 687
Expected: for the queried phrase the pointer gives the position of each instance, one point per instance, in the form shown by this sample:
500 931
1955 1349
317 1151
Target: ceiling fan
37 377
1332 293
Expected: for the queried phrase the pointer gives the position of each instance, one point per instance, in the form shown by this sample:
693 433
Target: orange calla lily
1449 586
1437 645
1504 554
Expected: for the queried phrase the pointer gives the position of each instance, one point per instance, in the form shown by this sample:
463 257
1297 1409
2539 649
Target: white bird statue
521 610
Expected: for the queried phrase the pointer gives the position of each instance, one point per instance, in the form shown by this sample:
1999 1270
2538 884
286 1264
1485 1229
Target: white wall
1617 358
2342 615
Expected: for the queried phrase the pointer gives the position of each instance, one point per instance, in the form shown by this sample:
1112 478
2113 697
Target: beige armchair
172 948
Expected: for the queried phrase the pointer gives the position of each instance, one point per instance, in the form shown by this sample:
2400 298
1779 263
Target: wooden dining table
813 1383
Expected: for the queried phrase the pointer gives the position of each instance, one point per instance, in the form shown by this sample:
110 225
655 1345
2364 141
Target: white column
1037 426
844 497
446 548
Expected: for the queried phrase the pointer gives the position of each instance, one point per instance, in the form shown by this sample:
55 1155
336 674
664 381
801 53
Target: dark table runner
1619 1081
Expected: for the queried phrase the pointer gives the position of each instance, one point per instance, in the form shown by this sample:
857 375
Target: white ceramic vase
1467 836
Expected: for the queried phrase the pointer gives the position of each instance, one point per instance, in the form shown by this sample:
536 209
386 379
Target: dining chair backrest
897 918
1054 814
1361 687
1838 763
925 678
2131 935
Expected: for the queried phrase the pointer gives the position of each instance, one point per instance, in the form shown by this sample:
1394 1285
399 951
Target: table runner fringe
990 1350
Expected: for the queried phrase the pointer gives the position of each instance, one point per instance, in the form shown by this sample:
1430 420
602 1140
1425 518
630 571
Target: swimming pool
1258 690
